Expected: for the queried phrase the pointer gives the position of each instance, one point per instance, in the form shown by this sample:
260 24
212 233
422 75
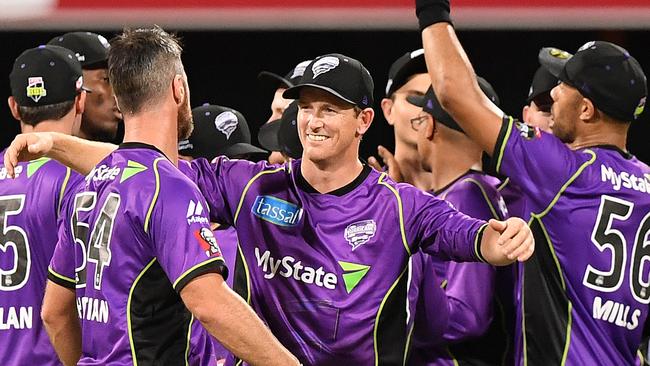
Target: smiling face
330 128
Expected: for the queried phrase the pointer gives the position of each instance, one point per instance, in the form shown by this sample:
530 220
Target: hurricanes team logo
528 132
208 242
324 65
300 69
36 88
360 232
226 123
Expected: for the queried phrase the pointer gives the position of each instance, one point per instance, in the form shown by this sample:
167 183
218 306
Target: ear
178 89
588 111
387 108
524 113
430 129
365 117
80 103
13 106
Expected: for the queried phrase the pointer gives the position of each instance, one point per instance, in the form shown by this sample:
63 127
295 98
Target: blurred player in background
282 134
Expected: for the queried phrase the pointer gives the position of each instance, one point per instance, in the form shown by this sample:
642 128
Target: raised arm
229 319
79 154
453 77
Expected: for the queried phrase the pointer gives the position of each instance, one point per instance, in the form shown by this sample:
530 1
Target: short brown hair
52 112
141 65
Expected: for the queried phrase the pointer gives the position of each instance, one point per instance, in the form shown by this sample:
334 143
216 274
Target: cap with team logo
603 72
540 88
275 81
282 134
429 103
45 75
218 131
339 75
411 63
90 48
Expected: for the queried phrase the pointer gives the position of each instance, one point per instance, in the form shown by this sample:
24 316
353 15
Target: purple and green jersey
29 211
135 234
328 273
585 292
480 297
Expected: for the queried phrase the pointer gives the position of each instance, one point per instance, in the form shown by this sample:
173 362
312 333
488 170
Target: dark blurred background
222 66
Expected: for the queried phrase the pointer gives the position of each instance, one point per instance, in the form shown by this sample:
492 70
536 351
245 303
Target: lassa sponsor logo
276 211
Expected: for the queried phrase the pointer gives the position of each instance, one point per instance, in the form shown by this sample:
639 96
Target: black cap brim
242 148
268 135
273 81
294 92
553 59
416 100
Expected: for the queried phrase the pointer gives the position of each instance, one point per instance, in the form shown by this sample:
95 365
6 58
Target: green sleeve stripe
502 146
63 187
61 277
400 211
569 182
248 185
128 309
155 195
485 196
477 243
211 260
503 184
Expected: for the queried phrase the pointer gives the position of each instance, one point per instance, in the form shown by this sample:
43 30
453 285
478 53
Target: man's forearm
229 319
65 335
79 154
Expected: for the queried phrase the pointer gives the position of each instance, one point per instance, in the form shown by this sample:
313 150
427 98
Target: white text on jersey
16 318
103 172
292 269
92 309
624 179
616 313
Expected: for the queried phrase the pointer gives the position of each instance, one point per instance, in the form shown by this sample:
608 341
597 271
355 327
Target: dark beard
185 122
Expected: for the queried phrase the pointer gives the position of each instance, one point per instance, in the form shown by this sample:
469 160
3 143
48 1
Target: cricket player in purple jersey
44 97
480 297
324 241
585 293
136 248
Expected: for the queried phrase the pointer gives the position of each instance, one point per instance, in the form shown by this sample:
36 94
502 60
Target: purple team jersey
585 292
136 233
29 211
480 297
328 272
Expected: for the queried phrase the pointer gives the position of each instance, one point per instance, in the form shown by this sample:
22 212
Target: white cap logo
226 123
300 69
324 65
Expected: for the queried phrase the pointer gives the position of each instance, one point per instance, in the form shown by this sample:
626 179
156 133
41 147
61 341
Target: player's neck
154 127
64 125
410 165
330 176
448 163
610 133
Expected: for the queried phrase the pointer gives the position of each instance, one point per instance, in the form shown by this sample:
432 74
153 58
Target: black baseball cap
430 104
411 63
45 75
339 75
275 81
90 48
282 134
218 131
540 88
603 72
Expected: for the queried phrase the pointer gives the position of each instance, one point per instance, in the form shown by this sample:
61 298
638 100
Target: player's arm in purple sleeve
190 256
59 311
470 290
438 229
431 306
78 154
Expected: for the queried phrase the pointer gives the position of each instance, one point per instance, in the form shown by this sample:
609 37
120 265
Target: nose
554 93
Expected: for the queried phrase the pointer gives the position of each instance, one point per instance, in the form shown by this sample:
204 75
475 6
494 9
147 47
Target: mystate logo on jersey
276 211
626 180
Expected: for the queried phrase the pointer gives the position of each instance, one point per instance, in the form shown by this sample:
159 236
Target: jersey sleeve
538 162
222 183
180 231
436 228
431 309
62 264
